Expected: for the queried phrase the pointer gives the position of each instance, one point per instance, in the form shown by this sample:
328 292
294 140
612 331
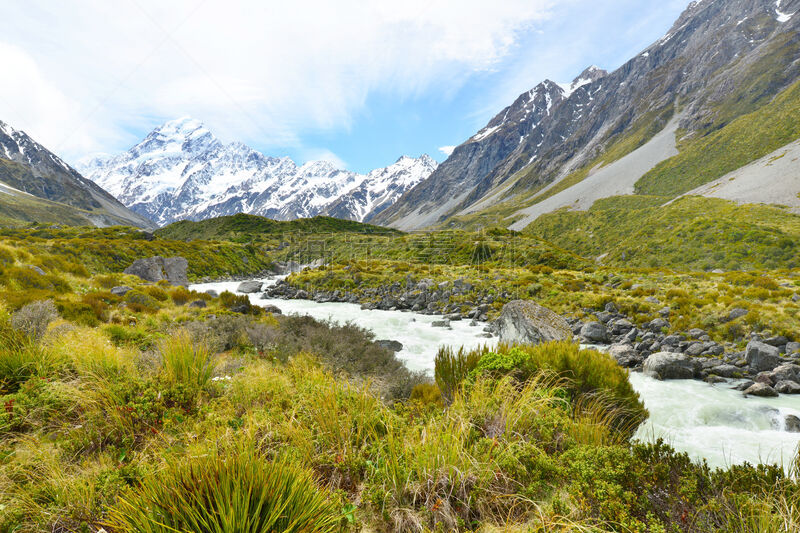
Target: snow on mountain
182 171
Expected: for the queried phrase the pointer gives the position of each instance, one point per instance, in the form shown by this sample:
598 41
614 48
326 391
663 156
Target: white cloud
447 150
260 72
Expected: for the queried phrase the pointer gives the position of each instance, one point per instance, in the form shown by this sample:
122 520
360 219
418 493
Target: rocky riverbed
768 366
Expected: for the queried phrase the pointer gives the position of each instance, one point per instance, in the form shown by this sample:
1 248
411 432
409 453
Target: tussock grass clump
585 373
238 491
34 318
186 362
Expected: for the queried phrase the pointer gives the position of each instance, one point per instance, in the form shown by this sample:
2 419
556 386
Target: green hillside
247 228
690 233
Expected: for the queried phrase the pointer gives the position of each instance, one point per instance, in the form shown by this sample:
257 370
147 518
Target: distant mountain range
716 93
182 171
37 186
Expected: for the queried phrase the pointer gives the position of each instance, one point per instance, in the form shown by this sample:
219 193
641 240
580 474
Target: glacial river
708 422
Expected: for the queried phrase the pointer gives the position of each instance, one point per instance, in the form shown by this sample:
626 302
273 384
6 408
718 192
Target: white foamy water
420 340
708 422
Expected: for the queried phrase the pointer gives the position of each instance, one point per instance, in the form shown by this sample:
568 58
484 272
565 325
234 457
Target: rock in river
526 322
668 365
249 287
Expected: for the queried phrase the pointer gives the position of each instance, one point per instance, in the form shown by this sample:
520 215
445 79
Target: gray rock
393 346
657 325
198 304
155 269
120 290
272 309
653 300
712 379
736 312
36 269
212 293
725 371
787 387
792 424
667 365
611 307
776 341
696 333
625 355
249 287
665 312
526 322
762 390
440 323
743 386
594 332
792 347
630 337
760 356
695 348
796 297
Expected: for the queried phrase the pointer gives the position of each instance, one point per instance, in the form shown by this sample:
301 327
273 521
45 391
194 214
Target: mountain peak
181 127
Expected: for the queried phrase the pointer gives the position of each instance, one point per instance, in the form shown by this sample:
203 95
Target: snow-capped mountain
182 171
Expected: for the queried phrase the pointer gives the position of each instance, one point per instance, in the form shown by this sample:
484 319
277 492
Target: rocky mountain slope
182 171
721 60
37 186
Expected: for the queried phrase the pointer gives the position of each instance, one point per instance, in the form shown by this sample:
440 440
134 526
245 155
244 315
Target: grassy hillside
691 233
747 138
249 228
109 250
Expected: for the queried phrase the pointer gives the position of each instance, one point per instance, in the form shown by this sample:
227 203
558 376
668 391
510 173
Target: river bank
711 422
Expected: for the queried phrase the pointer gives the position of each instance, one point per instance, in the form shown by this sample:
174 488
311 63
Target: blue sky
356 82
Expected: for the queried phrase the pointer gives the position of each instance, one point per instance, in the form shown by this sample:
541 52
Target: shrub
452 368
157 292
140 301
427 394
185 361
238 303
34 318
238 491
586 373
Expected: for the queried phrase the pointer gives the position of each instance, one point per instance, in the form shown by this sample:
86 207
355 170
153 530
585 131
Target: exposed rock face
668 365
526 322
761 356
249 287
155 269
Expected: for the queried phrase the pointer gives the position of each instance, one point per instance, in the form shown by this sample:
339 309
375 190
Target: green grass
239 491
691 233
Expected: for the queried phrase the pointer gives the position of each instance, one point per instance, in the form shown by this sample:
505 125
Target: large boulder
760 356
594 332
155 269
669 365
526 322
249 287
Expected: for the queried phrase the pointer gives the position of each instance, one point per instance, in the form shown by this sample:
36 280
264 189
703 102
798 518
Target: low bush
235 491
34 318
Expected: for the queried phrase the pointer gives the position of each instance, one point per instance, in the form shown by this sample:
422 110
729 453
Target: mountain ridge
718 61
180 170
29 169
